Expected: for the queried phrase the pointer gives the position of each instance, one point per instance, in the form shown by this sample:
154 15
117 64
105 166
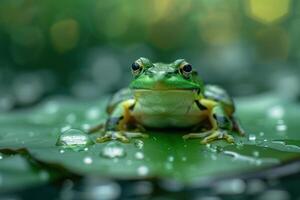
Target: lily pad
271 125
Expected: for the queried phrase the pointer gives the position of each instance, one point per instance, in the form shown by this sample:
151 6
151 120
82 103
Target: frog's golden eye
186 70
136 68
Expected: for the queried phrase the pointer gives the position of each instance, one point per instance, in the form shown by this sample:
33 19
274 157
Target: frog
170 96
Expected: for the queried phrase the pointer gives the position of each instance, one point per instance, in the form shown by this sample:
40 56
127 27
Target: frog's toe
121 136
111 135
217 135
196 135
107 137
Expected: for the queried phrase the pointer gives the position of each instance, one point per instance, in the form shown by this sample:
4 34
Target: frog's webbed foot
210 136
217 135
196 135
122 136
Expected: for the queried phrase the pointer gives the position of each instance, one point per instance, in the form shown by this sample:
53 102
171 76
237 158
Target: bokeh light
268 11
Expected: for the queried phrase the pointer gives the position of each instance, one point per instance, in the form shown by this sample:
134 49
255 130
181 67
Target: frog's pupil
187 68
135 66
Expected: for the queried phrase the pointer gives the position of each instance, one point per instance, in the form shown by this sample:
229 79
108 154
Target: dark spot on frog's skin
132 107
222 121
200 106
113 122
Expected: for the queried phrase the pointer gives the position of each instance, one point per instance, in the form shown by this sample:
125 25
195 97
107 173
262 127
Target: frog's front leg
220 122
116 127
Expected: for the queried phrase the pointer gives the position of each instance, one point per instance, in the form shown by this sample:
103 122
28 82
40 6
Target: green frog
170 96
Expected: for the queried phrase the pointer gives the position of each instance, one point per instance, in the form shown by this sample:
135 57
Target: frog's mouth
166 90
165 94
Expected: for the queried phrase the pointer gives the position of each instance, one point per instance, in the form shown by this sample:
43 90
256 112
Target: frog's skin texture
170 96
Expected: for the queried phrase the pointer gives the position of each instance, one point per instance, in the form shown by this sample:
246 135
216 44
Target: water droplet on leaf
139 155
139 144
252 137
113 150
74 139
255 153
171 158
88 160
143 170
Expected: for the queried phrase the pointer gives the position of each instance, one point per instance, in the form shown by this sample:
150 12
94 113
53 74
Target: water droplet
86 127
276 112
143 170
139 155
261 134
1 156
113 150
139 144
183 158
281 127
171 158
252 137
61 151
88 160
51 107
74 139
255 153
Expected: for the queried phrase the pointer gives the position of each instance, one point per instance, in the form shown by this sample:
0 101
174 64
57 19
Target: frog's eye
136 68
186 70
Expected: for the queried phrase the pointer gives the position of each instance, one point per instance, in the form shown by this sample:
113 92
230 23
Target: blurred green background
85 48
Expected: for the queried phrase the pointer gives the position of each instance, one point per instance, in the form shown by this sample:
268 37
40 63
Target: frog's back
216 93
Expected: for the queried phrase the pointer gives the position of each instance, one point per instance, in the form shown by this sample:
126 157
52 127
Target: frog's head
178 75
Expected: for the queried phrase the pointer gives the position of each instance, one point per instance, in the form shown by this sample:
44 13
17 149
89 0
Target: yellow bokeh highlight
268 11
64 35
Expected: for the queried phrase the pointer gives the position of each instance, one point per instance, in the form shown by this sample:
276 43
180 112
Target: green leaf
270 122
